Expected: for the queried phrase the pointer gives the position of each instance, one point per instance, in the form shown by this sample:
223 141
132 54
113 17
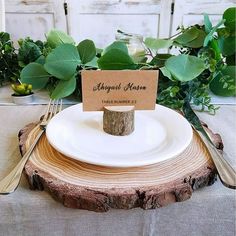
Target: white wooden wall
2 15
189 12
99 19
33 17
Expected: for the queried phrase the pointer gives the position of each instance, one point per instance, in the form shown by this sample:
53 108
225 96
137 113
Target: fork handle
10 183
225 171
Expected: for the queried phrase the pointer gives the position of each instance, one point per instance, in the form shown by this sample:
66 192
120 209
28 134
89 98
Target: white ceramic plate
159 135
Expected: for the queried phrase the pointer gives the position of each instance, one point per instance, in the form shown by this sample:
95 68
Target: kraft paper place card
119 88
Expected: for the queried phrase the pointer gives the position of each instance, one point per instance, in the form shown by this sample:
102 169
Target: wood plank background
99 19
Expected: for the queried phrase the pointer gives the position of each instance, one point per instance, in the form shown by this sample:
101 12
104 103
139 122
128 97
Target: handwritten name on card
119 88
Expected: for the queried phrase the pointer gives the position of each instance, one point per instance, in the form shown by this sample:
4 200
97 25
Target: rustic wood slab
85 186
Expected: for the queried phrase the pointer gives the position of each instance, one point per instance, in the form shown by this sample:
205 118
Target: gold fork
10 183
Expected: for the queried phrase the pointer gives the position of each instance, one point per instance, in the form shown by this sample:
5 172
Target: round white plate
159 135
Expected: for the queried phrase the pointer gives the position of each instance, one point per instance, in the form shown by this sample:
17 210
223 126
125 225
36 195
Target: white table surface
210 211
41 97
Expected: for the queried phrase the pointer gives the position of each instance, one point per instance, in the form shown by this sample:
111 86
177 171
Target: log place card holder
118 93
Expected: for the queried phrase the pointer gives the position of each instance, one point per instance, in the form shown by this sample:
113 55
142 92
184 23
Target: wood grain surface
85 186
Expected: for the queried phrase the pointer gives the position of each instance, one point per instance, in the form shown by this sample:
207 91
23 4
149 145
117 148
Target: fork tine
56 107
53 108
45 117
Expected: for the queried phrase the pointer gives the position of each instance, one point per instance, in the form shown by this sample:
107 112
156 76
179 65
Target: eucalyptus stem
172 36
177 34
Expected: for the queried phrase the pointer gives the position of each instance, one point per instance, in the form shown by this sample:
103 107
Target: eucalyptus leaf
209 36
63 61
157 44
35 74
28 52
64 88
87 50
214 44
230 18
185 67
166 73
93 63
160 59
41 60
116 45
208 39
224 84
207 23
227 45
198 42
223 32
116 59
187 36
57 37
192 38
231 60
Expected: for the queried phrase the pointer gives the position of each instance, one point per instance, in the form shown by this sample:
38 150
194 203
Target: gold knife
225 171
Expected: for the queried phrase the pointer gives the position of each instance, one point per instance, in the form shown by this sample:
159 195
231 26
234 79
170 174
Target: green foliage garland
9 68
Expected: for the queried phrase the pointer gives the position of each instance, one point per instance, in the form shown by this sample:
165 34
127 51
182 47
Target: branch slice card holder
119 93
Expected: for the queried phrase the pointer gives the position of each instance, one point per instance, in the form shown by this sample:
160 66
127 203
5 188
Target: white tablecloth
42 97
210 211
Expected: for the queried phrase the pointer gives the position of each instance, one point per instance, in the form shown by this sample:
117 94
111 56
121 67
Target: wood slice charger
85 186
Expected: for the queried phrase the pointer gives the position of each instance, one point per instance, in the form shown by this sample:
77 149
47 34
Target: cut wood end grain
119 108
